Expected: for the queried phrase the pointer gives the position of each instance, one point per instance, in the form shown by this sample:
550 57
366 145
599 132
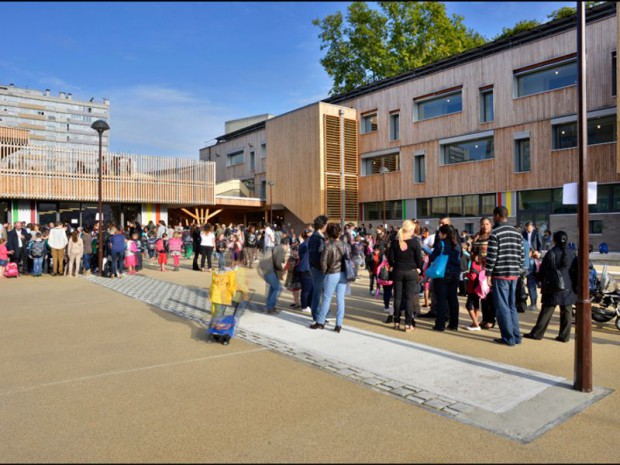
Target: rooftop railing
59 173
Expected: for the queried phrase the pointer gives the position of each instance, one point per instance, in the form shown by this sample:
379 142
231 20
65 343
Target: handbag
350 268
437 269
554 281
482 288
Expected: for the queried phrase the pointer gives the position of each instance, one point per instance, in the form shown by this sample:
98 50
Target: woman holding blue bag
445 267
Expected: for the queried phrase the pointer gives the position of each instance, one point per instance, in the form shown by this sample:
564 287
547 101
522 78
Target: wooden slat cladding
333 187
60 173
570 56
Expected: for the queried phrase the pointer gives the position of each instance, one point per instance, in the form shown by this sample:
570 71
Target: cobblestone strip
194 304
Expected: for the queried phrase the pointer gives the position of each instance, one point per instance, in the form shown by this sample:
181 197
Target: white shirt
57 239
269 237
430 241
207 239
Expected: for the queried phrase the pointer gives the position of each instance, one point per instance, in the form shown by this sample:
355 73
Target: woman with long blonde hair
405 259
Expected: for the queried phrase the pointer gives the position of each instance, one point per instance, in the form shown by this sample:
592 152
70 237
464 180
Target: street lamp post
271 184
383 170
100 126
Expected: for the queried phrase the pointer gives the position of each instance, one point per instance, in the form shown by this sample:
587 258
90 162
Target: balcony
61 173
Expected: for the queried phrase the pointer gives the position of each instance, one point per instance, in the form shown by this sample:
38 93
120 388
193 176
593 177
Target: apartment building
53 120
495 125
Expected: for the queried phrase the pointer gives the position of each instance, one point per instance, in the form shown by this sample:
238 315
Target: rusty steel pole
583 329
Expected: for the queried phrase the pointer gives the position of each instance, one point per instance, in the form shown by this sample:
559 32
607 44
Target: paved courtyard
120 370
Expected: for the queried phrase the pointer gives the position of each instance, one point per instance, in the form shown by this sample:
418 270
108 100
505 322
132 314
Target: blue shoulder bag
437 269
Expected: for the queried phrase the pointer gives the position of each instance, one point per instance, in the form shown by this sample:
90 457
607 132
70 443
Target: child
465 266
188 242
293 278
473 301
372 262
130 254
36 251
174 246
162 256
387 289
4 256
236 248
151 244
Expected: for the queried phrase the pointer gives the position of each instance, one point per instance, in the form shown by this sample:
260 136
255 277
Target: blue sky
176 71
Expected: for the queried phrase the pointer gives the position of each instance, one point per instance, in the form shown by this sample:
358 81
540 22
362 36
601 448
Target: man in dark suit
532 236
17 242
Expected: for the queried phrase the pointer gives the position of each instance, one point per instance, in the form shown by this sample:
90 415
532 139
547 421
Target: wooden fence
60 173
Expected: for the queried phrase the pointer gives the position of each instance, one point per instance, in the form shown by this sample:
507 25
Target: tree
521 26
369 44
567 11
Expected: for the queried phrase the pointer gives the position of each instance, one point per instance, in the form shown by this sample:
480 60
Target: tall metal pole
383 176
342 186
100 240
583 329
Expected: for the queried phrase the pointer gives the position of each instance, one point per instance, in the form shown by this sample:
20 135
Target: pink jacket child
130 255
174 246
384 263
4 259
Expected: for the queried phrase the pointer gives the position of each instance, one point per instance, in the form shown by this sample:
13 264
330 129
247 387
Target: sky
176 71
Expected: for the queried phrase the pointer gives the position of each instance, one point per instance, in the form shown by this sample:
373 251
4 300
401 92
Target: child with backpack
36 251
293 277
372 262
151 247
383 279
162 256
4 256
130 255
174 246
188 243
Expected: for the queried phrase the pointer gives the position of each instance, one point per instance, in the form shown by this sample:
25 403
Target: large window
438 106
456 206
394 126
546 78
263 150
419 168
601 130
252 160
486 105
369 123
471 150
522 155
373 165
373 211
235 158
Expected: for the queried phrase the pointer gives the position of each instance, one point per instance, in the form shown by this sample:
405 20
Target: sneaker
386 310
472 328
306 310
390 319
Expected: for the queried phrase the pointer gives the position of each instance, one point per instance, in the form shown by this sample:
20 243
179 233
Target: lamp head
100 126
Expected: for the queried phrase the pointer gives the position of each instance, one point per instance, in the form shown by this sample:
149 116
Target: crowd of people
497 269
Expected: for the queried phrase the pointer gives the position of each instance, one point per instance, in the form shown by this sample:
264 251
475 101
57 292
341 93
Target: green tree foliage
521 26
369 44
567 11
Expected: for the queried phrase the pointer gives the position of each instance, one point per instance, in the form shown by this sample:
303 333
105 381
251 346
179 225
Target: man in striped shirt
505 259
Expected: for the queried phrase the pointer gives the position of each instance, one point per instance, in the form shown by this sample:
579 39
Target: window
535 200
419 169
373 165
252 160
423 208
455 206
596 227
235 158
394 126
472 150
487 204
469 228
374 210
263 190
263 150
558 206
439 106
601 130
546 78
369 123
486 105
522 155
613 74
439 207
471 205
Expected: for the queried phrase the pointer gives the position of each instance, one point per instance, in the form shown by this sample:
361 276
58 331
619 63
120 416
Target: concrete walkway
514 402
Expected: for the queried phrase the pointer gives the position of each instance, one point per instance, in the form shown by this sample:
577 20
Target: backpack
151 243
107 269
11 270
603 248
161 247
38 248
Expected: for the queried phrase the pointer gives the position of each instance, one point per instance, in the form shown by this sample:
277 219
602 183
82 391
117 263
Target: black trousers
446 290
196 255
205 252
406 288
306 289
544 317
488 309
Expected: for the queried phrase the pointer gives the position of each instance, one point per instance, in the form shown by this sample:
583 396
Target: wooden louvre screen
333 188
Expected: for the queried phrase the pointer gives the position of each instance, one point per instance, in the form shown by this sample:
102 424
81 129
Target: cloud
160 120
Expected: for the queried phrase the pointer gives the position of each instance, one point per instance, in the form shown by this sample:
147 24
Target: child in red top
473 301
162 256
174 246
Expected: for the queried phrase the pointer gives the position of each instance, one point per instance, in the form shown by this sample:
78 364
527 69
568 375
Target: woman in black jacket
446 288
566 262
405 259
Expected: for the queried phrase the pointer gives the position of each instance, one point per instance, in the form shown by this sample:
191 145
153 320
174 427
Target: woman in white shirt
207 244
